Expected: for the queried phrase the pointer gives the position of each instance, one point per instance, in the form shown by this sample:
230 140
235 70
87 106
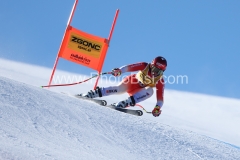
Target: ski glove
116 72
156 111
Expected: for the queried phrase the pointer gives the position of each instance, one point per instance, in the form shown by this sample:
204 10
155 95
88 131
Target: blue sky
200 39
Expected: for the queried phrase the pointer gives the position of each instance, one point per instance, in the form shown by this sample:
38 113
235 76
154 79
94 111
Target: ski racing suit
139 85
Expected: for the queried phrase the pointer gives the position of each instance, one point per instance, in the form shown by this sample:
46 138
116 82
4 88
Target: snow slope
216 117
39 124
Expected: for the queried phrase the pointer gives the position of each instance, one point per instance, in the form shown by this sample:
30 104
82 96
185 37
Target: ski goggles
156 71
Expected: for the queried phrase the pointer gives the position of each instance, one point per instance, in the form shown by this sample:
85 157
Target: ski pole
143 108
146 110
69 84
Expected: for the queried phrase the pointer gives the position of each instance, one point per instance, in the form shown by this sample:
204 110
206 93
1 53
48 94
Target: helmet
160 63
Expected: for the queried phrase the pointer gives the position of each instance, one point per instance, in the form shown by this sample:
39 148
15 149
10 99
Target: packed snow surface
38 123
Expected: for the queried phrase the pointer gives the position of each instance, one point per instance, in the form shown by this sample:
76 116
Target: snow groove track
39 124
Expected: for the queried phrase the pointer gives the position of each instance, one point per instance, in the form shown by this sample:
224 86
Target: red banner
84 49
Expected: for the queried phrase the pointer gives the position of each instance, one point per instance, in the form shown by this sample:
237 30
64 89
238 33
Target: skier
139 86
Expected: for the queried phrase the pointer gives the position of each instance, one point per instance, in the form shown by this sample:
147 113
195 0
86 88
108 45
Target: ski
104 103
98 101
128 111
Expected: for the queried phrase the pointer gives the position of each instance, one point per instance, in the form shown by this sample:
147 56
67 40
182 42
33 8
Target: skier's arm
129 68
133 67
160 90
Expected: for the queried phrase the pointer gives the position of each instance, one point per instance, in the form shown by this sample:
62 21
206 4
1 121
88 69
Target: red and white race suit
139 85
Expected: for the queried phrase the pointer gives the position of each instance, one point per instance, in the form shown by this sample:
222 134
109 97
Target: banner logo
80 58
84 45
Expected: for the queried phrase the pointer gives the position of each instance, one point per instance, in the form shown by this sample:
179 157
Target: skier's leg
128 84
143 94
139 96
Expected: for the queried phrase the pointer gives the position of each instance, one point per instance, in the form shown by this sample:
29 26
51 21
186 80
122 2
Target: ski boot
123 104
93 94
